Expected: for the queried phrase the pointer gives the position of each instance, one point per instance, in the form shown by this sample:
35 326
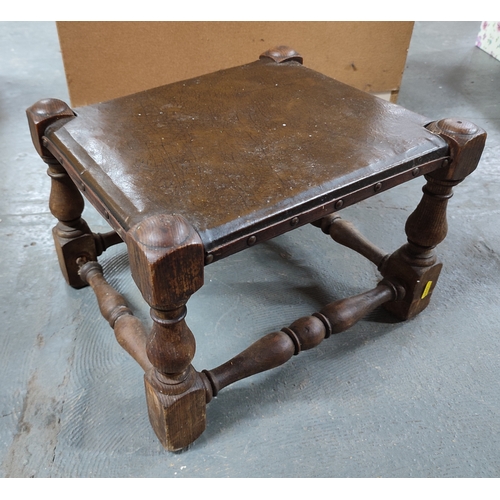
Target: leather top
240 149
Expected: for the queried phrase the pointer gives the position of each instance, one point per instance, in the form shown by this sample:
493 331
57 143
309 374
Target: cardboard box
104 60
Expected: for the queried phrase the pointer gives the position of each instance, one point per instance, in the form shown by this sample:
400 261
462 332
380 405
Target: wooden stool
191 172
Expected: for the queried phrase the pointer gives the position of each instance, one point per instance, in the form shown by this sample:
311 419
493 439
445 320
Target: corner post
167 263
72 236
415 264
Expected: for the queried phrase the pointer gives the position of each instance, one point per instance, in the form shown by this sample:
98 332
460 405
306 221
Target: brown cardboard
104 60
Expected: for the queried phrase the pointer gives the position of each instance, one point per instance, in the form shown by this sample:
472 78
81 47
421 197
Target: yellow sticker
426 290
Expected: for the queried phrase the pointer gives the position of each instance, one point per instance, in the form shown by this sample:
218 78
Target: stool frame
167 259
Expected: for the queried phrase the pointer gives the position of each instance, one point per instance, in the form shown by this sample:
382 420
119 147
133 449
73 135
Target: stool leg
415 264
72 236
167 261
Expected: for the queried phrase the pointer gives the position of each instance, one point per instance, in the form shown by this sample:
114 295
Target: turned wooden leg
72 237
167 259
415 264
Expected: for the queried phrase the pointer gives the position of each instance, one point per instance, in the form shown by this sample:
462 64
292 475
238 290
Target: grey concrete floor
386 399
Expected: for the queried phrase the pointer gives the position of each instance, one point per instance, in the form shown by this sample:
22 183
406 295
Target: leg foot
179 416
73 241
418 282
